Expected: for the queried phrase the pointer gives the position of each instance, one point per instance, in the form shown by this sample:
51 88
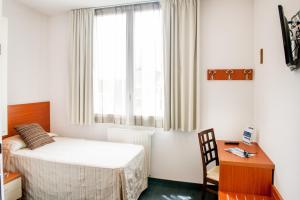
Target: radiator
133 136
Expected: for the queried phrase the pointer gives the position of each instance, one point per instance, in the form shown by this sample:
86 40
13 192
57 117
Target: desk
252 175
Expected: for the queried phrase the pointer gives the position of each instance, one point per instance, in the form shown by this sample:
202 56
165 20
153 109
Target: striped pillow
33 135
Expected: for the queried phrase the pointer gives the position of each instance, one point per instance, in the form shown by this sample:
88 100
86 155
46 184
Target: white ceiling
54 7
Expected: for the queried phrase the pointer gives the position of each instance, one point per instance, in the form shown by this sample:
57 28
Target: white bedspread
81 169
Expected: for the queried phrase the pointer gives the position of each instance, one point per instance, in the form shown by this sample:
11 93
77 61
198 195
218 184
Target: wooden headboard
28 113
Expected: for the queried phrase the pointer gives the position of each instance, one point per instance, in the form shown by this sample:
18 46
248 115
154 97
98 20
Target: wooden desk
237 196
245 175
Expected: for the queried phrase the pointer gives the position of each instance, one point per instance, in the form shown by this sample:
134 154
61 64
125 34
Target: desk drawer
13 189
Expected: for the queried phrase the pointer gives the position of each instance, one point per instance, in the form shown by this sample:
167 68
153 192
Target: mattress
81 169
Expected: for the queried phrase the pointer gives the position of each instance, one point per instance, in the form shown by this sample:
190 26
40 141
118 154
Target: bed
75 168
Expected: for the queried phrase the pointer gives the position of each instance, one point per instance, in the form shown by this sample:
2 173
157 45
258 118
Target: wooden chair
209 154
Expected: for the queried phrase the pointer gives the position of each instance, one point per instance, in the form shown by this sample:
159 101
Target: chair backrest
208 148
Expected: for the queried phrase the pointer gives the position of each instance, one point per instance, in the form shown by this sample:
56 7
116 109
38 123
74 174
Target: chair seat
213 173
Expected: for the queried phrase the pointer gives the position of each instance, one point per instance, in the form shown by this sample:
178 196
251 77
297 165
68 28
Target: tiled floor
167 190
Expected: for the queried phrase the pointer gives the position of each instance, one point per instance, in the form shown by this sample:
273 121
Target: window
128 70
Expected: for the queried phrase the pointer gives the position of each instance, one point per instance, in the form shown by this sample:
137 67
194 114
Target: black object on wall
291 38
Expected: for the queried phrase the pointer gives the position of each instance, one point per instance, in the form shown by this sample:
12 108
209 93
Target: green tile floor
170 190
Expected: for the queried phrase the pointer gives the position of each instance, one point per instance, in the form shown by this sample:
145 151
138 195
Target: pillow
13 143
33 135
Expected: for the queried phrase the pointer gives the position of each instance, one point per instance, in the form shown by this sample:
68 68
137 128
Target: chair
209 154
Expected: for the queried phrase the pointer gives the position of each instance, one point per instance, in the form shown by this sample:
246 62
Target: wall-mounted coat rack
230 74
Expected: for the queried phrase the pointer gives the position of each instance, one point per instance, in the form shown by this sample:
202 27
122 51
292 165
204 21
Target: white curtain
81 66
128 65
181 64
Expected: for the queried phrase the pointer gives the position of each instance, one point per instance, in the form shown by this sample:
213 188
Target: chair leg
204 187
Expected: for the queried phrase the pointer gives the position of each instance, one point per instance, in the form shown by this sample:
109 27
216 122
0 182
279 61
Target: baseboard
275 194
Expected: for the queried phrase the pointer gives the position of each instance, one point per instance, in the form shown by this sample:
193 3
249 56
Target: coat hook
212 74
247 72
229 72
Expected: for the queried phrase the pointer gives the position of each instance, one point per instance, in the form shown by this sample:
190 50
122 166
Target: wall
27 58
277 97
1 5
227 40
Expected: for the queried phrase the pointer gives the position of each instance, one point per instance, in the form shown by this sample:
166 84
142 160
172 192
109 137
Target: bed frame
28 113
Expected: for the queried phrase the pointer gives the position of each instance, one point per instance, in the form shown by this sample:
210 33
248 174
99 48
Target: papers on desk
240 152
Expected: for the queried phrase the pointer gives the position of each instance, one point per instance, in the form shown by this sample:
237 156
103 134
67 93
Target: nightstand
12 186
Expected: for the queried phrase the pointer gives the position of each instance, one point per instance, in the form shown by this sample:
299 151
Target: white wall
227 40
277 97
1 5
28 79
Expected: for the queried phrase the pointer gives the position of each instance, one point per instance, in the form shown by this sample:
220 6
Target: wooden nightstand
12 186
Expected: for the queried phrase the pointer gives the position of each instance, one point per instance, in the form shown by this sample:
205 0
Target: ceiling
54 7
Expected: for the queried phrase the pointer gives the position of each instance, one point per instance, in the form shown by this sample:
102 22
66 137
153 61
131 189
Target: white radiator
133 136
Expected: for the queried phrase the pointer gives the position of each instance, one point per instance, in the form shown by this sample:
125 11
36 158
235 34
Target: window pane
110 64
148 68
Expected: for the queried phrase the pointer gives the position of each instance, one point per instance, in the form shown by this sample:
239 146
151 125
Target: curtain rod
125 4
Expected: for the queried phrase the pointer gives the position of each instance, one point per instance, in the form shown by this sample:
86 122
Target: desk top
260 159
